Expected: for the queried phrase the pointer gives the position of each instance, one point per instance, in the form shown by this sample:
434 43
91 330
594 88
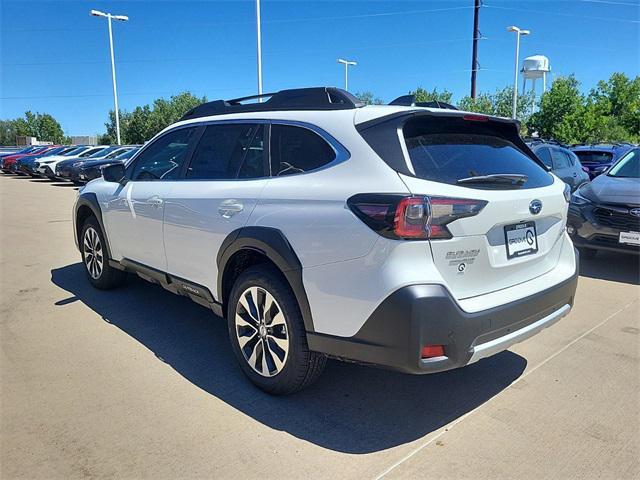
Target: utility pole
259 48
474 56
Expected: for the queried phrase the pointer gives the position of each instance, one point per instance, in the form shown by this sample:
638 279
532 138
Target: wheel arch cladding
86 207
248 246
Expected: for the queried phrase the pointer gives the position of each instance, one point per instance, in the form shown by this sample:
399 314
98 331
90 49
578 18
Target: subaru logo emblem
635 212
535 207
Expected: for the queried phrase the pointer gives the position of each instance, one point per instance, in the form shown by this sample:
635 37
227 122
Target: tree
144 122
422 95
562 112
40 125
499 103
610 113
368 98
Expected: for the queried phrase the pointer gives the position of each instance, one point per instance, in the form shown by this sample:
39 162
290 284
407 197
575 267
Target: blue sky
55 58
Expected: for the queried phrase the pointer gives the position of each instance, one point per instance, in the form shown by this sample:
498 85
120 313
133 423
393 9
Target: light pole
259 37
122 18
346 71
519 32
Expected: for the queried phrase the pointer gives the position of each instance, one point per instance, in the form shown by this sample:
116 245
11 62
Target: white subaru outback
412 238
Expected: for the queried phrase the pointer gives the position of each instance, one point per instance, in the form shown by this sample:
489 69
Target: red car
9 162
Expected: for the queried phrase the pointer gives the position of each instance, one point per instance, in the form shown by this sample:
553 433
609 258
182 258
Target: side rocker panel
273 244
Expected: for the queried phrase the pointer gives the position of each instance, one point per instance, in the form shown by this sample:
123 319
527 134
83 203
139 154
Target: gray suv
562 162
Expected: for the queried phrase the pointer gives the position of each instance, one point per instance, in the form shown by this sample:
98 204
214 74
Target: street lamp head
122 18
513 28
98 13
525 32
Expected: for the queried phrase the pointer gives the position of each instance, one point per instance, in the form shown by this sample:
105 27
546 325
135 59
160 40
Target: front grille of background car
619 220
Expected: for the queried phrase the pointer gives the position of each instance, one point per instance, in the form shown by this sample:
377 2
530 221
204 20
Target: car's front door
135 214
220 189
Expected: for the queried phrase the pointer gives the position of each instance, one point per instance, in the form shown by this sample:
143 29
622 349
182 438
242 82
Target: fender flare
273 244
90 200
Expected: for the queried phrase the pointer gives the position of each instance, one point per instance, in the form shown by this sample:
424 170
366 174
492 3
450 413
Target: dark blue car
597 158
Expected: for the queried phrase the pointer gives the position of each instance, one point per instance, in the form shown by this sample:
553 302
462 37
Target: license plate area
520 239
629 238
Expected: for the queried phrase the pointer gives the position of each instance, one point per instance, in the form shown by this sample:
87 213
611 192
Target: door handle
229 208
156 201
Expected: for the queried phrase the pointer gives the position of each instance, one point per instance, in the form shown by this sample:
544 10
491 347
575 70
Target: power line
201 59
637 5
276 21
544 12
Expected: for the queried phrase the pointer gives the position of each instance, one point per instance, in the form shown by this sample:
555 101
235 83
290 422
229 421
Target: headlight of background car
578 199
77 164
567 193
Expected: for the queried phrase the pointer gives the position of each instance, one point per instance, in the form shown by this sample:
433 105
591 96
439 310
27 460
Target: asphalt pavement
140 383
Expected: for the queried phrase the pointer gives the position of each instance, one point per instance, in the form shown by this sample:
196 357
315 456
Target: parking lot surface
140 383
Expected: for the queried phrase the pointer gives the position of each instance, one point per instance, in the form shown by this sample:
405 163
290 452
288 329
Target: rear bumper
420 315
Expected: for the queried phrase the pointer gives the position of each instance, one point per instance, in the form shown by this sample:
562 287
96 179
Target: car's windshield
115 153
628 166
103 152
594 157
75 151
127 154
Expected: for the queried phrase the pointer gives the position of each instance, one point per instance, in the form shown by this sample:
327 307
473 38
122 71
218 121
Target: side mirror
114 173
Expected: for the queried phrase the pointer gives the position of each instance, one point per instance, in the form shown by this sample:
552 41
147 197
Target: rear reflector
431 351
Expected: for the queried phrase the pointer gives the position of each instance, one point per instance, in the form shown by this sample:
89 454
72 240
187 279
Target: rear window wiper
497 178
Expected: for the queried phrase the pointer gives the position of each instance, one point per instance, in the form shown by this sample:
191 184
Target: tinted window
545 155
447 153
220 151
594 157
253 165
560 159
297 150
163 158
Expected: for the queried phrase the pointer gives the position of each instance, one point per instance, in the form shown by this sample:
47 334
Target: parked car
605 214
561 161
418 239
9 162
47 167
18 151
80 172
26 165
597 158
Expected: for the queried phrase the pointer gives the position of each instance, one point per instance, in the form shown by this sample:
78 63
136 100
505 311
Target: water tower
534 68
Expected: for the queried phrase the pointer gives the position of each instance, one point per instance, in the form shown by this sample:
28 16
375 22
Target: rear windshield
467 152
594 157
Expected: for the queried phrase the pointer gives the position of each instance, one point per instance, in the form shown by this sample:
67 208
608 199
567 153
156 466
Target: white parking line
460 419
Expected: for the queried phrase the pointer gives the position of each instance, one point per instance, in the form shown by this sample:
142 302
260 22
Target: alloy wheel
261 331
93 258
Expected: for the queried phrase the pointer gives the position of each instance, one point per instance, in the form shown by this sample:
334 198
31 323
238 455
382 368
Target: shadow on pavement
352 408
615 267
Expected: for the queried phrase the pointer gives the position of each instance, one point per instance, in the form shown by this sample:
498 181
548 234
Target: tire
290 366
95 258
588 253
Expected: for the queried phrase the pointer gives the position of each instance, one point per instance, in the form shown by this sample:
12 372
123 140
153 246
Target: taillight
412 217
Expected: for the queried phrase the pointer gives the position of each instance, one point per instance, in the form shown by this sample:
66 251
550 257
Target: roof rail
410 101
313 98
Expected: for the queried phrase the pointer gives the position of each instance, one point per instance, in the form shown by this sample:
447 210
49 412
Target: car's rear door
219 190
